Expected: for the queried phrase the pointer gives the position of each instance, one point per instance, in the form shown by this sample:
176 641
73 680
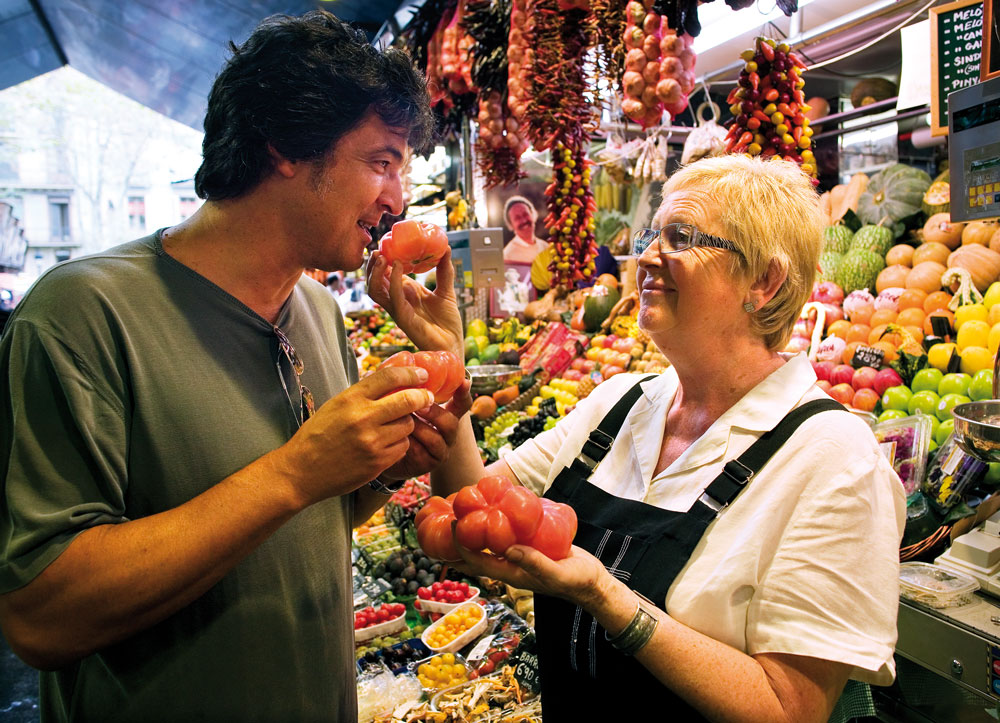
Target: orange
912 299
889 348
936 300
912 316
839 328
849 350
858 332
882 316
928 330
862 315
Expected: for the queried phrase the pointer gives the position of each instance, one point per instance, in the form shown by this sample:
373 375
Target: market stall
597 104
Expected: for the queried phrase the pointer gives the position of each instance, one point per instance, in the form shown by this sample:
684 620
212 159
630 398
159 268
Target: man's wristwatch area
386 487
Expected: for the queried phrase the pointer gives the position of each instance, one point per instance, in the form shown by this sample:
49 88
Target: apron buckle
738 472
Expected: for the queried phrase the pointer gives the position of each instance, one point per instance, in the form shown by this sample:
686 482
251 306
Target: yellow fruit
993 315
992 296
993 341
975 359
972 333
939 354
970 312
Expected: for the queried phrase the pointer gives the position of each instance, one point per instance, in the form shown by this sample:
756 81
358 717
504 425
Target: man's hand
434 432
430 319
354 436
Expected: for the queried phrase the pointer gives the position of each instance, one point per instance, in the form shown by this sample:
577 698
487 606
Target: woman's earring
749 308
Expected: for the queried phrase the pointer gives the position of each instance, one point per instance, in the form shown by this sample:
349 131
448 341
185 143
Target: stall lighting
719 24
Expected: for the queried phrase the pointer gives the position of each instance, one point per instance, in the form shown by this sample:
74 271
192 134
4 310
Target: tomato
434 530
495 514
445 371
417 245
556 530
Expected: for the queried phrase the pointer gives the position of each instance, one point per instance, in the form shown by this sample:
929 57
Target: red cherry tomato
417 245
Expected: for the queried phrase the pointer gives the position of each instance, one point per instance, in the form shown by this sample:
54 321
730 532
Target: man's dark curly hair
300 84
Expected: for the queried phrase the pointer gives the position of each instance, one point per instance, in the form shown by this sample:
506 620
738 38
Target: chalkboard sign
956 54
525 662
867 356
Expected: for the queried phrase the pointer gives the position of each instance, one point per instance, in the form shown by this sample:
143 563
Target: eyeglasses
306 406
677 237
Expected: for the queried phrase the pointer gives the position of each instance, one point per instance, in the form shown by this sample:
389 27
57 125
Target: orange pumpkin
978 232
940 229
926 276
982 264
901 254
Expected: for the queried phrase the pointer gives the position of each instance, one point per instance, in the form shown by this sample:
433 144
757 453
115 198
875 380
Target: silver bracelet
636 634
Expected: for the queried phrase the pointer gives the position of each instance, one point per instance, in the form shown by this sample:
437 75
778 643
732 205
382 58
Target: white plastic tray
462 640
436 606
393 625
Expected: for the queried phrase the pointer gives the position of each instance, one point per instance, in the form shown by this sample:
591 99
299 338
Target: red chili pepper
746 139
797 133
766 50
761 116
771 95
798 61
784 109
753 123
731 98
799 96
754 81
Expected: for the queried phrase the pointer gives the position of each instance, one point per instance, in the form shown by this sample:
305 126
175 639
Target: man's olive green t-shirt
130 384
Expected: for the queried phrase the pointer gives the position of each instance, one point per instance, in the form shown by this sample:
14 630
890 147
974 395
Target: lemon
992 296
939 354
975 359
973 333
970 312
993 340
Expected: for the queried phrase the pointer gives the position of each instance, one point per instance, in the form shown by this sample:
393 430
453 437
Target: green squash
893 194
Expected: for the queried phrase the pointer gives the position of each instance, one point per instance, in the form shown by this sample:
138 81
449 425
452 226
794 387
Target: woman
764 596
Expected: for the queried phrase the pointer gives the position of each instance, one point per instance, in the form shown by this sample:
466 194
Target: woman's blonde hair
770 211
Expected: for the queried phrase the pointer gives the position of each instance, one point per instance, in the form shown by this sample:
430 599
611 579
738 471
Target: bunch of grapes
533 426
494 431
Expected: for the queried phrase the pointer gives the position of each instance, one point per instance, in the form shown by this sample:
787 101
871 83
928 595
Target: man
520 216
184 451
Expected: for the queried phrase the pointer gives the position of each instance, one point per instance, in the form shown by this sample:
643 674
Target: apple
589 365
609 341
843 393
827 292
947 403
834 312
954 383
574 375
945 430
865 399
981 386
886 378
926 380
891 414
824 385
624 344
864 378
842 374
923 402
797 344
823 369
897 398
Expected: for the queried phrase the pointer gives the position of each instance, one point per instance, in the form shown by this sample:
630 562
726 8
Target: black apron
583 678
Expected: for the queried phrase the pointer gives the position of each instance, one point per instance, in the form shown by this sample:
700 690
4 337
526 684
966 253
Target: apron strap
600 440
736 473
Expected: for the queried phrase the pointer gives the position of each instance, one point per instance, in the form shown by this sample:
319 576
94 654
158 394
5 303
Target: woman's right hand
354 436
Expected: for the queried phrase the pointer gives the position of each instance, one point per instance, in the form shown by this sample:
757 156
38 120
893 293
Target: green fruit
476 327
873 238
472 362
893 194
837 239
981 386
931 445
993 474
954 383
489 354
829 265
471 348
859 270
947 403
924 402
944 431
937 199
891 414
897 398
926 380
598 304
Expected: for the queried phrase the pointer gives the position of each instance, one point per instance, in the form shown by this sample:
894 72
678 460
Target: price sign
525 662
867 356
956 54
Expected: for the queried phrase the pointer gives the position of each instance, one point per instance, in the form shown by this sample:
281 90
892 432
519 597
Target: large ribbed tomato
445 371
433 522
417 245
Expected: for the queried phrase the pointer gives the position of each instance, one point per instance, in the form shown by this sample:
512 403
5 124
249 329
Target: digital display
978 115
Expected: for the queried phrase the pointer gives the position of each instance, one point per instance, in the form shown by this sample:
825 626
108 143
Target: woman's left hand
430 319
580 578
